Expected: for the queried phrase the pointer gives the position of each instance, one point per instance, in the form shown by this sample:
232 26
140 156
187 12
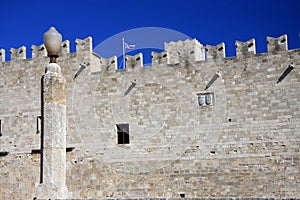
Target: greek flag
129 46
126 46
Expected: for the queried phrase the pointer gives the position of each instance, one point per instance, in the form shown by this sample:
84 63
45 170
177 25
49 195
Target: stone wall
242 142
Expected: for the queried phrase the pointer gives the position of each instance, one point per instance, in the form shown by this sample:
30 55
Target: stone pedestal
53 184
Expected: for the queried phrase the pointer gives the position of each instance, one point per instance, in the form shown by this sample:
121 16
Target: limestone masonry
195 124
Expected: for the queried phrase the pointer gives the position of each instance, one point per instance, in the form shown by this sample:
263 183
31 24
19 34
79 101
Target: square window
122 133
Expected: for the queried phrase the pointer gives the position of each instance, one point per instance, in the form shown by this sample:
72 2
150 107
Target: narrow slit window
122 133
0 128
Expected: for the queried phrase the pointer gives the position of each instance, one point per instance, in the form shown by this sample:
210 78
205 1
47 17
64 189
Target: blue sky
210 21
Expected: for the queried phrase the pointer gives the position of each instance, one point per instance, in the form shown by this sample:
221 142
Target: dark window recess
0 128
205 99
3 153
123 133
69 149
35 151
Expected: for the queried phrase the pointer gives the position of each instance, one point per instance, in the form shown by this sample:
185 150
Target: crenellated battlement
17 54
84 46
215 52
2 55
191 50
277 44
175 52
65 48
245 48
104 64
38 51
160 58
134 61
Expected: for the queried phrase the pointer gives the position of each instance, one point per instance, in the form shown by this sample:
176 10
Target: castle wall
242 142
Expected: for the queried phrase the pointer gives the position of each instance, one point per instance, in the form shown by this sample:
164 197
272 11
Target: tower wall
242 142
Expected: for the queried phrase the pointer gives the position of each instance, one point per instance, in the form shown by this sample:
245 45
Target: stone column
53 184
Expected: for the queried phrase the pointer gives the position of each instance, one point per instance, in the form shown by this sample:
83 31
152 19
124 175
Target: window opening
122 133
205 99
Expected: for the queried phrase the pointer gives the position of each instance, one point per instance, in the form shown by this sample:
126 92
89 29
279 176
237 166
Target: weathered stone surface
54 85
54 151
245 146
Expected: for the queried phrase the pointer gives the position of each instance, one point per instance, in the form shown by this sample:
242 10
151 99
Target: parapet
277 44
215 52
2 55
134 61
191 50
84 46
65 48
104 64
38 51
160 58
111 62
18 54
245 48
175 52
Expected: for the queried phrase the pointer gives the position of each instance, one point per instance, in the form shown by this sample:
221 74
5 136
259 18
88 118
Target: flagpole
124 63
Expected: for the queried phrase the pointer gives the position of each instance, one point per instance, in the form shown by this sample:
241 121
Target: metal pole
124 62
42 130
